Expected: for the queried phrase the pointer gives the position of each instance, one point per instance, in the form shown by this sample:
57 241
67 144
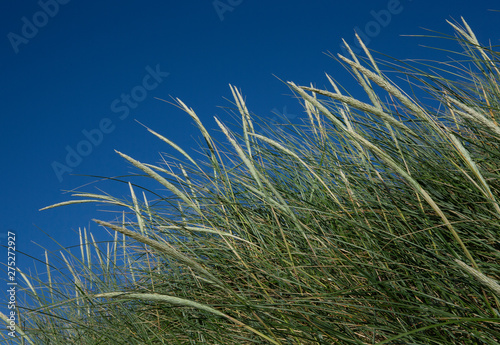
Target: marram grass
376 221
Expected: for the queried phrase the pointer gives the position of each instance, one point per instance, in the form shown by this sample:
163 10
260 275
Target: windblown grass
373 222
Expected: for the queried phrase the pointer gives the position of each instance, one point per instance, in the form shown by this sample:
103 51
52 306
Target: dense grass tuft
375 221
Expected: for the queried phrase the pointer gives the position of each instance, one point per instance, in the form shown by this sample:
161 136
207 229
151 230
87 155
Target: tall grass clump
376 221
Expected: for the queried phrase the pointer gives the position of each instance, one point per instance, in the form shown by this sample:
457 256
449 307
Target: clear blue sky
74 70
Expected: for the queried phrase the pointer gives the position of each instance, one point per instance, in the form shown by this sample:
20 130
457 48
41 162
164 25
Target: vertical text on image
11 283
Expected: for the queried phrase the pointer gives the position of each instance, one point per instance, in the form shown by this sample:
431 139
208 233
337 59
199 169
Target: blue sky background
67 76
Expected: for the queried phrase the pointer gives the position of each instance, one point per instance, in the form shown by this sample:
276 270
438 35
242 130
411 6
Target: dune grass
376 221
